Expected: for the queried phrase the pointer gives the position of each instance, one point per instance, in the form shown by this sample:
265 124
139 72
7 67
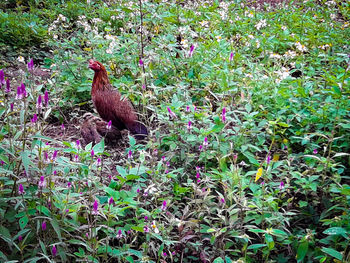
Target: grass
248 154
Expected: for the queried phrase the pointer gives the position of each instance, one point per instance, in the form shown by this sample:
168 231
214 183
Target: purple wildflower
164 205
42 182
190 53
69 185
111 201
119 234
130 154
8 86
281 186
20 238
34 119
171 113
76 158
138 190
268 159
95 207
78 144
141 62
188 109
109 125
231 56
146 218
43 226
205 142
315 151
20 189
143 86
54 251
23 90
2 77
146 229
223 115
165 254
46 98
92 153
222 200
189 126
201 147
30 65
62 127
98 162
54 156
19 94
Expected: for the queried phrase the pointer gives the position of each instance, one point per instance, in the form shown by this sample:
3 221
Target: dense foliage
248 154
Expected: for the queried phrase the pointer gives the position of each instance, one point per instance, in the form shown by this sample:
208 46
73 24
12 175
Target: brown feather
94 128
110 104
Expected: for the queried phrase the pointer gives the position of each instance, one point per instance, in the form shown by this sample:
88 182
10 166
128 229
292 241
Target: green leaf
270 242
335 231
56 227
302 250
23 222
256 246
332 252
218 260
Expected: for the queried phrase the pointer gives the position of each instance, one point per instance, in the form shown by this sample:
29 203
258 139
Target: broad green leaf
256 246
302 250
23 222
333 253
218 260
335 231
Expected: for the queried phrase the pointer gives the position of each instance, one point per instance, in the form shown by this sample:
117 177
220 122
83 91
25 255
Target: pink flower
78 144
54 251
43 226
8 87
189 126
281 185
39 103
143 86
42 182
21 189
95 207
119 234
315 151
171 113
109 125
46 98
205 143
222 200
141 62
223 115
92 153
164 205
268 159
190 54
111 201
146 229
231 56
20 238
146 218
2 77
34 119
69 185
130 154
30 65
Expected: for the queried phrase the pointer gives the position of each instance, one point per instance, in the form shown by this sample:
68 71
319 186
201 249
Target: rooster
94 128
110 104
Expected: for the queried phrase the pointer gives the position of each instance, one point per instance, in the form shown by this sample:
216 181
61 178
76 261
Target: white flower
290 54
274 55
257 43
218 38
261 24
300 47
204 23
251 36
249 14
21 59
284 28
154 227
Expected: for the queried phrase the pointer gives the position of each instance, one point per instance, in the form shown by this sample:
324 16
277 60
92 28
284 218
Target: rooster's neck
100 81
